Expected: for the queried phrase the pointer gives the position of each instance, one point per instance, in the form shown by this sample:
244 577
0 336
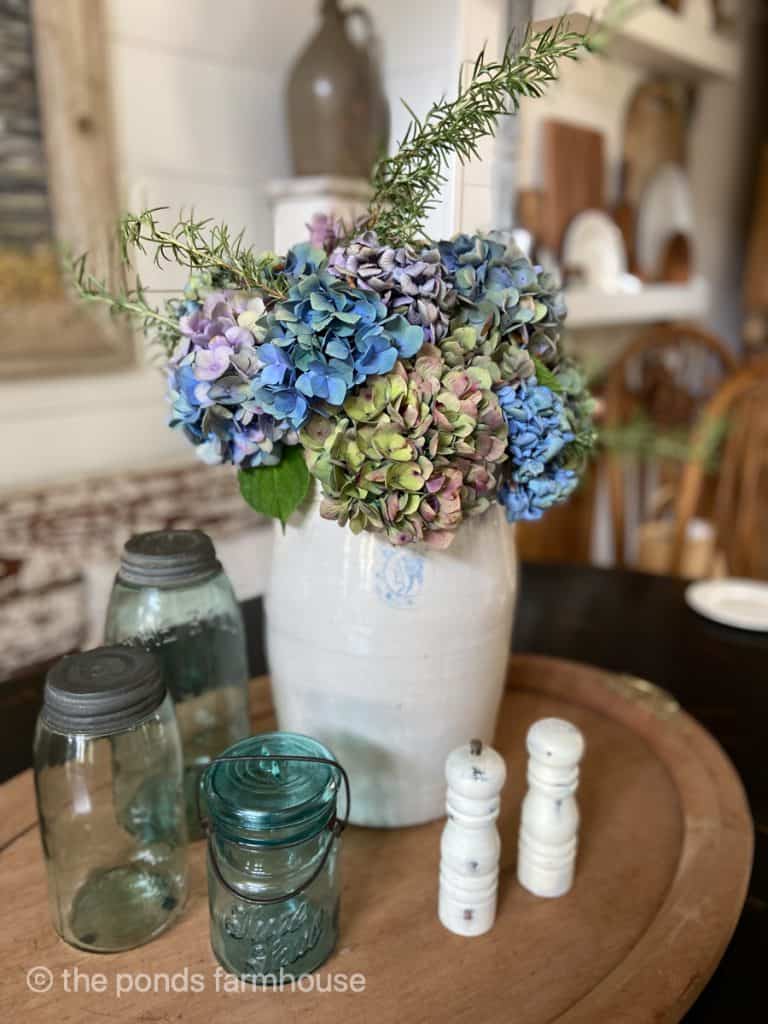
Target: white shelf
296 200
313 185
655 38
652 304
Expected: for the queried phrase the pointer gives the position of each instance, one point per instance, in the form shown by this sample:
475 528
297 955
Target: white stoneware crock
390 656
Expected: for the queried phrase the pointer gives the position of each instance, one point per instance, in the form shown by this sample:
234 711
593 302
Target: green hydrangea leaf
546 377
277 491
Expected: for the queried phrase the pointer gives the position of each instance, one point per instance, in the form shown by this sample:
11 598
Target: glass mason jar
273 882
110 799
172 598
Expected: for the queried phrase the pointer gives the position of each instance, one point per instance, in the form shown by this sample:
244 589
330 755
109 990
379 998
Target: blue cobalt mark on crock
399 576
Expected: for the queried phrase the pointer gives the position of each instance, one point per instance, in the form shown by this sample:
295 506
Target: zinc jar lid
100 692
168 558
267 801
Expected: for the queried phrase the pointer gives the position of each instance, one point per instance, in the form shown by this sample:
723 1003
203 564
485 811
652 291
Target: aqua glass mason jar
172 598
273 877
110 799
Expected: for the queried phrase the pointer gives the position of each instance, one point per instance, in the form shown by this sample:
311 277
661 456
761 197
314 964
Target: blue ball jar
274 840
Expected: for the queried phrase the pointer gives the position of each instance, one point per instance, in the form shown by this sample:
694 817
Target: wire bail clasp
335 826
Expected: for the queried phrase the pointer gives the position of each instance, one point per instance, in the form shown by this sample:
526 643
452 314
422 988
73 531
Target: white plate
733 602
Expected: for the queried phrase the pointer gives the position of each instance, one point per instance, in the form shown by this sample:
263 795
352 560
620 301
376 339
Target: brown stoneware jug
337 111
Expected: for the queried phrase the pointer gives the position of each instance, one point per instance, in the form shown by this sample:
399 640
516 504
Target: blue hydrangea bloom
538 431
502 294
531 502
274 386
471 260
326 379
186 400
305 258
332 337
485 268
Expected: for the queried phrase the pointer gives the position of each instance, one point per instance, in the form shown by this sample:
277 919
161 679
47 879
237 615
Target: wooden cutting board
655 133
664 861
573 177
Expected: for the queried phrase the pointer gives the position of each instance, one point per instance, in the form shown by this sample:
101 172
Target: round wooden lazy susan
664 860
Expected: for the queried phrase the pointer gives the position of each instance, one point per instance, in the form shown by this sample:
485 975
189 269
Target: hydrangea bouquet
417 382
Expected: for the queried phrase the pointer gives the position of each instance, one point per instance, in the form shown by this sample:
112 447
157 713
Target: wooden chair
740 505
665 377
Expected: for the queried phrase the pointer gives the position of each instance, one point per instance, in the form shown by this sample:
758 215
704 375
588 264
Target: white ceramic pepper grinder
549 821
470 846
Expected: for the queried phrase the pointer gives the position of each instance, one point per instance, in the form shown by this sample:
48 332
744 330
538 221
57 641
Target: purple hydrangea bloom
258 444
212 362
211 377
413 284
325 232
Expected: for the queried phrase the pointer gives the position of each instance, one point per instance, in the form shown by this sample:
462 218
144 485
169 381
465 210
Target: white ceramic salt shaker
549 821
470 845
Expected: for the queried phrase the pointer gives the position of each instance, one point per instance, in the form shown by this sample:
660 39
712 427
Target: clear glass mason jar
172 598
273 879
110 799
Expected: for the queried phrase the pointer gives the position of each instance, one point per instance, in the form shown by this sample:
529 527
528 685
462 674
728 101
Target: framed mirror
57 188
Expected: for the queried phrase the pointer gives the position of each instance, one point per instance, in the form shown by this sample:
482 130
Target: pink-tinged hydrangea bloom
412 452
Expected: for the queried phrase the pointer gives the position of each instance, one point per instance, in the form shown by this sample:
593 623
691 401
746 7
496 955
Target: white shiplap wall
198 111
199 99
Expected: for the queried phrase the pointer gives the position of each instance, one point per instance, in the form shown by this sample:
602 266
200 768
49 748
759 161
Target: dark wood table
627 622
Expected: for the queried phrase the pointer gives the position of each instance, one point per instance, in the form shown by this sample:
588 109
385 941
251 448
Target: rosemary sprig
197 244
407 185
131 302
203 245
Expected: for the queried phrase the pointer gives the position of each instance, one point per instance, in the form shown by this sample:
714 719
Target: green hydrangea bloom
412 452
502 357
